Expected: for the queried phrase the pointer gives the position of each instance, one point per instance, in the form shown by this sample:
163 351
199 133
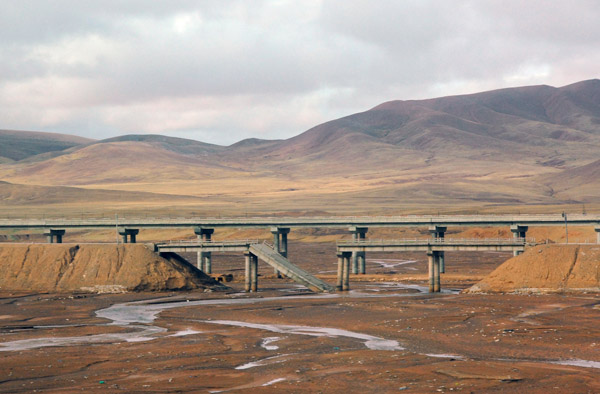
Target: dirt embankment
547 268
96 268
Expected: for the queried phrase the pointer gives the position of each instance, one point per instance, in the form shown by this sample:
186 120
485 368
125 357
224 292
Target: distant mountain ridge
534 144
526 121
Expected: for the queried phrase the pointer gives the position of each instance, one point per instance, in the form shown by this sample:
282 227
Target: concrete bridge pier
434 272
358 258
254 274
340 272
597 228
280 243
54 235
343 272
518 232
439 232
129 234
251 279
204 261
346 271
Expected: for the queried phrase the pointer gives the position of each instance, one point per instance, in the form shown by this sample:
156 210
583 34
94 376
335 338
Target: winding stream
140 316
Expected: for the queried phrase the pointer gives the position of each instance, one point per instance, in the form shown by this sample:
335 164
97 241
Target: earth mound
96 268
546 268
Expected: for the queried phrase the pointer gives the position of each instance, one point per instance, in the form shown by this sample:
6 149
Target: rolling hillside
534 146
19 145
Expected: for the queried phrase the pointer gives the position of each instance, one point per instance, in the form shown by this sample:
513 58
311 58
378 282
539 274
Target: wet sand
382 336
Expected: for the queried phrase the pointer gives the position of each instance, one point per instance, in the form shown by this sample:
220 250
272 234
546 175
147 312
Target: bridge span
314 222
354 250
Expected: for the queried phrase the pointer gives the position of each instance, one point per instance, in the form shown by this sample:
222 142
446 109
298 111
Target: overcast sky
224 70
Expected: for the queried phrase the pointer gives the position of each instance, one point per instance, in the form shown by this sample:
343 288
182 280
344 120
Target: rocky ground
385 335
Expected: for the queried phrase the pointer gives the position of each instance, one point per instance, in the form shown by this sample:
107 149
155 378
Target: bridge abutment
204 262
54 235
358 258
518 232
597 229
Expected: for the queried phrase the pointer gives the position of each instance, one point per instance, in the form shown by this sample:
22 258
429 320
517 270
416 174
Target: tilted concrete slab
275 260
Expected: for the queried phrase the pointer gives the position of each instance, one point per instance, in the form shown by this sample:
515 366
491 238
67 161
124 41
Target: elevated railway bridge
351 254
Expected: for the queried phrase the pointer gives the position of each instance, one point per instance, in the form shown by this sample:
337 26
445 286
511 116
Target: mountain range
530 148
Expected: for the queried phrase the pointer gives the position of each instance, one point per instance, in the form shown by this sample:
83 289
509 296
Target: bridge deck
205 246
433 245
314 222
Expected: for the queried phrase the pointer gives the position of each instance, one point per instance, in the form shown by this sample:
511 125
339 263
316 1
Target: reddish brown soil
548 268
94 268
499 343
506 342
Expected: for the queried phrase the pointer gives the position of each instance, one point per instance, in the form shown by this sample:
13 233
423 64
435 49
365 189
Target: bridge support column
358 258
340 272
254 274
597 228
280 243
439 232
430 270
54 235
346 271
251 271
204 262
437 261
518 232
434 272
129 234
247 280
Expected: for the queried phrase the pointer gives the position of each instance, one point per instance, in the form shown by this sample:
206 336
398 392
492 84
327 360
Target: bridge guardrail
211 242
440 241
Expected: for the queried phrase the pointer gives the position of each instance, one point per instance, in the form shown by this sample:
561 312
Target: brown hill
34 195
95 268
504 148
533 124
547 268
116 162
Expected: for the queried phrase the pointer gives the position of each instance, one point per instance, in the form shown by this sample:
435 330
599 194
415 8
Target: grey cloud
221 71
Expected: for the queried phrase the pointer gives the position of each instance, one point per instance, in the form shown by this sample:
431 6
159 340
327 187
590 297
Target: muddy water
139 316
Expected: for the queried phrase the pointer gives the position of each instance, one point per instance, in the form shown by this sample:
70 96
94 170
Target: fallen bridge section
283 265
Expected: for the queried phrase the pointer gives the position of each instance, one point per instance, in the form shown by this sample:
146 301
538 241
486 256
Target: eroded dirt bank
547 268
241 343
95 268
